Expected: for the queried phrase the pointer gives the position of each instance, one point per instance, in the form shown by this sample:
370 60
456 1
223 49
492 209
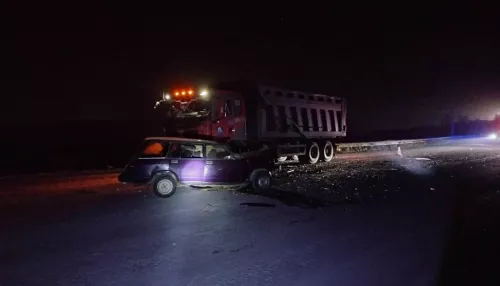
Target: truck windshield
194 108
198 105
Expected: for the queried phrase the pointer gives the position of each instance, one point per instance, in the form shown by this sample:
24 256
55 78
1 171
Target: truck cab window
237 107
228 108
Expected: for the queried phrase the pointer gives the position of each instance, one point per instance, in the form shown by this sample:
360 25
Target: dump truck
302 125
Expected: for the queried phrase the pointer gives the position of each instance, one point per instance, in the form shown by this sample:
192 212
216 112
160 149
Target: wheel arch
164 173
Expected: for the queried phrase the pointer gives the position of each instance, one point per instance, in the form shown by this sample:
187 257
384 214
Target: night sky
398 67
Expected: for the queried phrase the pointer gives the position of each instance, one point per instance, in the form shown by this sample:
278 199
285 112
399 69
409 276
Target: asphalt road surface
431 217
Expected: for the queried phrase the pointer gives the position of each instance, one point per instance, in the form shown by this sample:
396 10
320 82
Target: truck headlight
204 93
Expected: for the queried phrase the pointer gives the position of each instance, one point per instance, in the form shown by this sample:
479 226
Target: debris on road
258 205
210 208
357 176
422 159
331 181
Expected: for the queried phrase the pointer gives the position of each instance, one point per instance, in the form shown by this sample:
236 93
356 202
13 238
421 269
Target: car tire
328 151
261 181
164 186
312 154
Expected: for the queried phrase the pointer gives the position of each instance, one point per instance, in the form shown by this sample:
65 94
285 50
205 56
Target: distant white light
204 93
167 97
493 136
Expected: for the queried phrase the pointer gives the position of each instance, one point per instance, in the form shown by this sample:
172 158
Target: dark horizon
396 71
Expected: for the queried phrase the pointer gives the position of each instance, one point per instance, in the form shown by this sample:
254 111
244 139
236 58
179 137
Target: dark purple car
165 162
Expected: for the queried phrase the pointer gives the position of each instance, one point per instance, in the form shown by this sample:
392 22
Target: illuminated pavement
428 218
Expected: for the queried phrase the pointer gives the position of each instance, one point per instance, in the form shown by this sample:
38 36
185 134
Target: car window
217 152
153 149
186 150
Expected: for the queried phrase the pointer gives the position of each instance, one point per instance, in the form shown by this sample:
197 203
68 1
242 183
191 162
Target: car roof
181 139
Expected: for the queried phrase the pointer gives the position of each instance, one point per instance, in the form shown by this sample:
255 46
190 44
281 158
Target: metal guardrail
390 144
379 143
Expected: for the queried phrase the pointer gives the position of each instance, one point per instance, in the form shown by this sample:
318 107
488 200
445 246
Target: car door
221 167
187 162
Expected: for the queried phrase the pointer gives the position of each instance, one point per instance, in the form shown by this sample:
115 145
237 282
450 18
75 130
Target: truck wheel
328 151
261 180
312 154
164 186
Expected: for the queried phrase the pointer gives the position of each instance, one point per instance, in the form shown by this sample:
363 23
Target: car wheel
164 186
312 154
328 151
261 181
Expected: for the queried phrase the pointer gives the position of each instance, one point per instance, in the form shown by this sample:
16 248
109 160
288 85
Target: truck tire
260 180
164 186
328 151
312 154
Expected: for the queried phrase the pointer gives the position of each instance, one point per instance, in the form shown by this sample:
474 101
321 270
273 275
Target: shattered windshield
177 108
198 106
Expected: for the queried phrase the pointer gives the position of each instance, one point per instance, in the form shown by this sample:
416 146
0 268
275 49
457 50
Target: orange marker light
183 92
190 92
176 93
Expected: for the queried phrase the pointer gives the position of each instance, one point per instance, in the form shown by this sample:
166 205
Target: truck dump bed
282 113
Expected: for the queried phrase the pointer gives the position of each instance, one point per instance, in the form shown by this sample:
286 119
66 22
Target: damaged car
166 162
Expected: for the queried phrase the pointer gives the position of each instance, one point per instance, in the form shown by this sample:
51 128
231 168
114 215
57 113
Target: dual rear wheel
315 152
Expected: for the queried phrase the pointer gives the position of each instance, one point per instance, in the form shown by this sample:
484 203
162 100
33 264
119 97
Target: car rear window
153 149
